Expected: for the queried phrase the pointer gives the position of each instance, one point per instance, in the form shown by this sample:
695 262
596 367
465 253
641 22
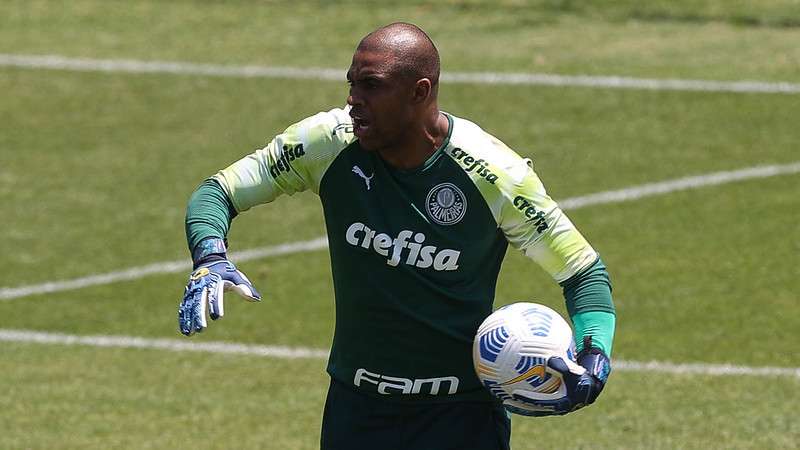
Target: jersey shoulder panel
531 221
294 161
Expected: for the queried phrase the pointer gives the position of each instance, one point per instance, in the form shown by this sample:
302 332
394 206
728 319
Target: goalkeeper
420 207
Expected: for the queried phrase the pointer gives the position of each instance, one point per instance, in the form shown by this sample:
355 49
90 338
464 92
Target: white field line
183 345
134 273
614 196
704 369
177 345
57 62
679 184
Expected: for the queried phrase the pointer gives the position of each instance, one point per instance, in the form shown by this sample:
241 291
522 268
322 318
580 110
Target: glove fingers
579 387
204 295
254 296
200 310
185 320
558 364
216 304
248 291
236 281
571 380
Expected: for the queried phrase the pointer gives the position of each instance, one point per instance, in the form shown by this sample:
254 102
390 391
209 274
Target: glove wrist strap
208 250
594 360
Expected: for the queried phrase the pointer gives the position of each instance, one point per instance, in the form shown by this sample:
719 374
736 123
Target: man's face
381 100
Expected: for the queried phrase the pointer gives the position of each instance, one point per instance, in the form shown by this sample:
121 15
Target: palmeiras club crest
446 204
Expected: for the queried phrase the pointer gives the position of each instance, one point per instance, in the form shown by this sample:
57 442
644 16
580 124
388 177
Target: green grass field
96 169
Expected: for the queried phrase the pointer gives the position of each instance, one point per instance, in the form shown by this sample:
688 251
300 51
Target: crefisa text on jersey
530 211
422 256
471 164
288 153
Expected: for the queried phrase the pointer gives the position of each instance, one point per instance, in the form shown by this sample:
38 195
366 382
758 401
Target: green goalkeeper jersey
415 254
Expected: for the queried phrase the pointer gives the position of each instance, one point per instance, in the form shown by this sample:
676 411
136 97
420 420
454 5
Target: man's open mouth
360 125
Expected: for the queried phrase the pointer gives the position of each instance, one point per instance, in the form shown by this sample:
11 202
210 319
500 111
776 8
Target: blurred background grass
95 171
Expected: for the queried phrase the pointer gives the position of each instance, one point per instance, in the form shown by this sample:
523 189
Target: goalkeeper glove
213 275
582 388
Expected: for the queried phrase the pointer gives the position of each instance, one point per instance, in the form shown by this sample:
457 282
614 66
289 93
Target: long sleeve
590 306
208 214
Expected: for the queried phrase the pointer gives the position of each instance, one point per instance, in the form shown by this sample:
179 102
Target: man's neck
420 146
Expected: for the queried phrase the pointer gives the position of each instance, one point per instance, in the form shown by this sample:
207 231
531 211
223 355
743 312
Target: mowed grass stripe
572 203
185 345
57 62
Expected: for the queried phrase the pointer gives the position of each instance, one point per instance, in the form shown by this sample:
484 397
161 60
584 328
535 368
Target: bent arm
590 306
535 224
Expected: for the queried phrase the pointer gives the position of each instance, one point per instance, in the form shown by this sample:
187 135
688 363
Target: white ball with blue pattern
510 354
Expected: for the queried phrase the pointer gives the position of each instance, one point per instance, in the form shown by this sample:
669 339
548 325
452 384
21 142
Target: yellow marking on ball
486 370
538 370
551 386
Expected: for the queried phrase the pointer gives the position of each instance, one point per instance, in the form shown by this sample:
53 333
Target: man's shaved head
415 54
394 79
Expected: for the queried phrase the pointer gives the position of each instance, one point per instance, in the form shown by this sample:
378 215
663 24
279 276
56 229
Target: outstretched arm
208 218
208 215
294 161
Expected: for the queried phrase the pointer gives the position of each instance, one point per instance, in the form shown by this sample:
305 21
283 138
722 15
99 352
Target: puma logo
367 179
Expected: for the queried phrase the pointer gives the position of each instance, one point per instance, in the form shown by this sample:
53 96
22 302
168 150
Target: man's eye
364 84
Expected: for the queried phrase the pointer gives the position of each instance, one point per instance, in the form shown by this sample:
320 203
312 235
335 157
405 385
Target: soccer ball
510 354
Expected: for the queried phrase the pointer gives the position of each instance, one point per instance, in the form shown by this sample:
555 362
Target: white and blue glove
213 275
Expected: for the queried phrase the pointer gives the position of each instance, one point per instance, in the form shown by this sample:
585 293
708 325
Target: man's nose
353 99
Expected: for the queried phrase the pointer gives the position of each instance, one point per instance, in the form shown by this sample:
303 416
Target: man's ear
422 90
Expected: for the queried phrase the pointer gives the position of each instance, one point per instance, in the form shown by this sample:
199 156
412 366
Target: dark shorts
355 421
